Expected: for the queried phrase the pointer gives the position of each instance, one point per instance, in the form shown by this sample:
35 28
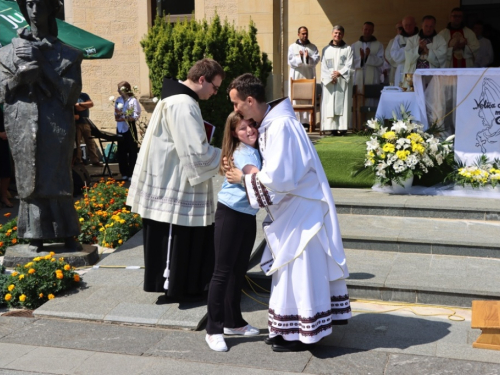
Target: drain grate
20 313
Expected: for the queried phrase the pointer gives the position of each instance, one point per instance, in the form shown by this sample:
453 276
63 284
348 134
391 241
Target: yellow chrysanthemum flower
15 274
50 296
22 298
21 276
8 297
67 267
389 135
388 147
11 287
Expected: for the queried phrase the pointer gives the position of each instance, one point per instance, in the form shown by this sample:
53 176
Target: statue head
41 12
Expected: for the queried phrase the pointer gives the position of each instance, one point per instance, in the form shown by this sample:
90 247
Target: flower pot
405 189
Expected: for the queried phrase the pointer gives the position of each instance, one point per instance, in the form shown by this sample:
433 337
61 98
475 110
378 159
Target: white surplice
300 68
469 52
367 72
304 252
398 55
336 97
436 56
391 61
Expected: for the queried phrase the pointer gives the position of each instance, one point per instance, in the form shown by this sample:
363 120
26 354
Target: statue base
21 254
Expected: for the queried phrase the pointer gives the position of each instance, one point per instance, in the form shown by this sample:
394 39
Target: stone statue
40 80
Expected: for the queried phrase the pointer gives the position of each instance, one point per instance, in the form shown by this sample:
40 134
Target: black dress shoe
289 346
274 340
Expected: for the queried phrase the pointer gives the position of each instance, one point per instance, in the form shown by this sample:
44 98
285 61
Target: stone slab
89 336
243 351
184 315
19 254
136 313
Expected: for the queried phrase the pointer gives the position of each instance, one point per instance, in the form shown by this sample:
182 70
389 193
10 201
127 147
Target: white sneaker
247 330
216 342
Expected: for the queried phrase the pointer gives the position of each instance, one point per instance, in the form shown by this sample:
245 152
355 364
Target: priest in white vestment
303 56
388 57
462 42
484 55
172 189
304 253
368 57
336 81
426 50
399 45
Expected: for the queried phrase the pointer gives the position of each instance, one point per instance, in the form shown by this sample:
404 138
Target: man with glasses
462 42
172 189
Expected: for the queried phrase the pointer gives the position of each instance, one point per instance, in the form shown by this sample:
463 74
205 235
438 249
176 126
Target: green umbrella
92 46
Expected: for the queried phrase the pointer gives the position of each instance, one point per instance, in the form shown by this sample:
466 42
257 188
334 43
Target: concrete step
369 202
421 235
415 278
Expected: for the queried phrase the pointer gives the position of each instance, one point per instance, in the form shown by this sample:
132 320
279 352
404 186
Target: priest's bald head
248 95
409 25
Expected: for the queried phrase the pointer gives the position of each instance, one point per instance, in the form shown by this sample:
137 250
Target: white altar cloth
390 101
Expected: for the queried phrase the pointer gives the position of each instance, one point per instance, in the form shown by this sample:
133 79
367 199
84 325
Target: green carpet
341 156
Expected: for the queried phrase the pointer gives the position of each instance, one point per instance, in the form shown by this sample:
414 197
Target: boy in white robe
304 255
336 80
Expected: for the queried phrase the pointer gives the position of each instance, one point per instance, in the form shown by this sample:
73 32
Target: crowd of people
365 62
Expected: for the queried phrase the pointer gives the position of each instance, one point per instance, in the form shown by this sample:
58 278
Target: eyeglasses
216 88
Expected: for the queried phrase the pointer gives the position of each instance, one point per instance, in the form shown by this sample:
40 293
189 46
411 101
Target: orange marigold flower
53 259
59 275
15 273
15 228
8 297
52 253
1 243
14 241
67 267
76 277
11 287
61 259
31 271
40 295
21 276
7 215
22 298
50 296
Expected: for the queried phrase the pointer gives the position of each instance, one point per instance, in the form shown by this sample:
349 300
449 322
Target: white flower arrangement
404 150
482 173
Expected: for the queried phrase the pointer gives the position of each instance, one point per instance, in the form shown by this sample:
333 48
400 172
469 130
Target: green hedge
172 48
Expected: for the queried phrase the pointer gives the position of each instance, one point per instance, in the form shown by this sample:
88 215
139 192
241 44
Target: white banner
477 127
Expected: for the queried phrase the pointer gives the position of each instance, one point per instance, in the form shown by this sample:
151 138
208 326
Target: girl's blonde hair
230 142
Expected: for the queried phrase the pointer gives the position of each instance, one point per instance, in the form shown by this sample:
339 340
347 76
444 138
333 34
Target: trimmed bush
172 48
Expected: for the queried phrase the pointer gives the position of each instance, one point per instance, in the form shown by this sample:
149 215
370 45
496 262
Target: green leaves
172 48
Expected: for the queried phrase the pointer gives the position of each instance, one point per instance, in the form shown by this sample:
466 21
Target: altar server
426 50
303 56
462 42
336 80
399 45
304 255
368 57
172 187
388 57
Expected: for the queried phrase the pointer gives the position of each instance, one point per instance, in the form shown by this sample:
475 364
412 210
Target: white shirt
135 111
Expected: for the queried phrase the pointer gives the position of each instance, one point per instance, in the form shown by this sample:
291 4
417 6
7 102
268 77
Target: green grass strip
341 156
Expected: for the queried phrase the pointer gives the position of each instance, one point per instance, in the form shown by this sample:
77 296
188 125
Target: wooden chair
486 317
369 92
304 89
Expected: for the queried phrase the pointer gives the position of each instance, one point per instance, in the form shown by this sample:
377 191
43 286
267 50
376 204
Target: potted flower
483 173
403 150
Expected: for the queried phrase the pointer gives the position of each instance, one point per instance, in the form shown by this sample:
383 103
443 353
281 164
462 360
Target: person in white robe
399 45
304 253
388 57
462 42
368 58
484 56
303 56
336 82
172 189
426 50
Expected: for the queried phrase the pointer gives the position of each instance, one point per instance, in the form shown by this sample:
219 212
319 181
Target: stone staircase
419 249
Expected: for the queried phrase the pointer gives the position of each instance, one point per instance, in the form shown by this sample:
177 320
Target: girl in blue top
235 229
